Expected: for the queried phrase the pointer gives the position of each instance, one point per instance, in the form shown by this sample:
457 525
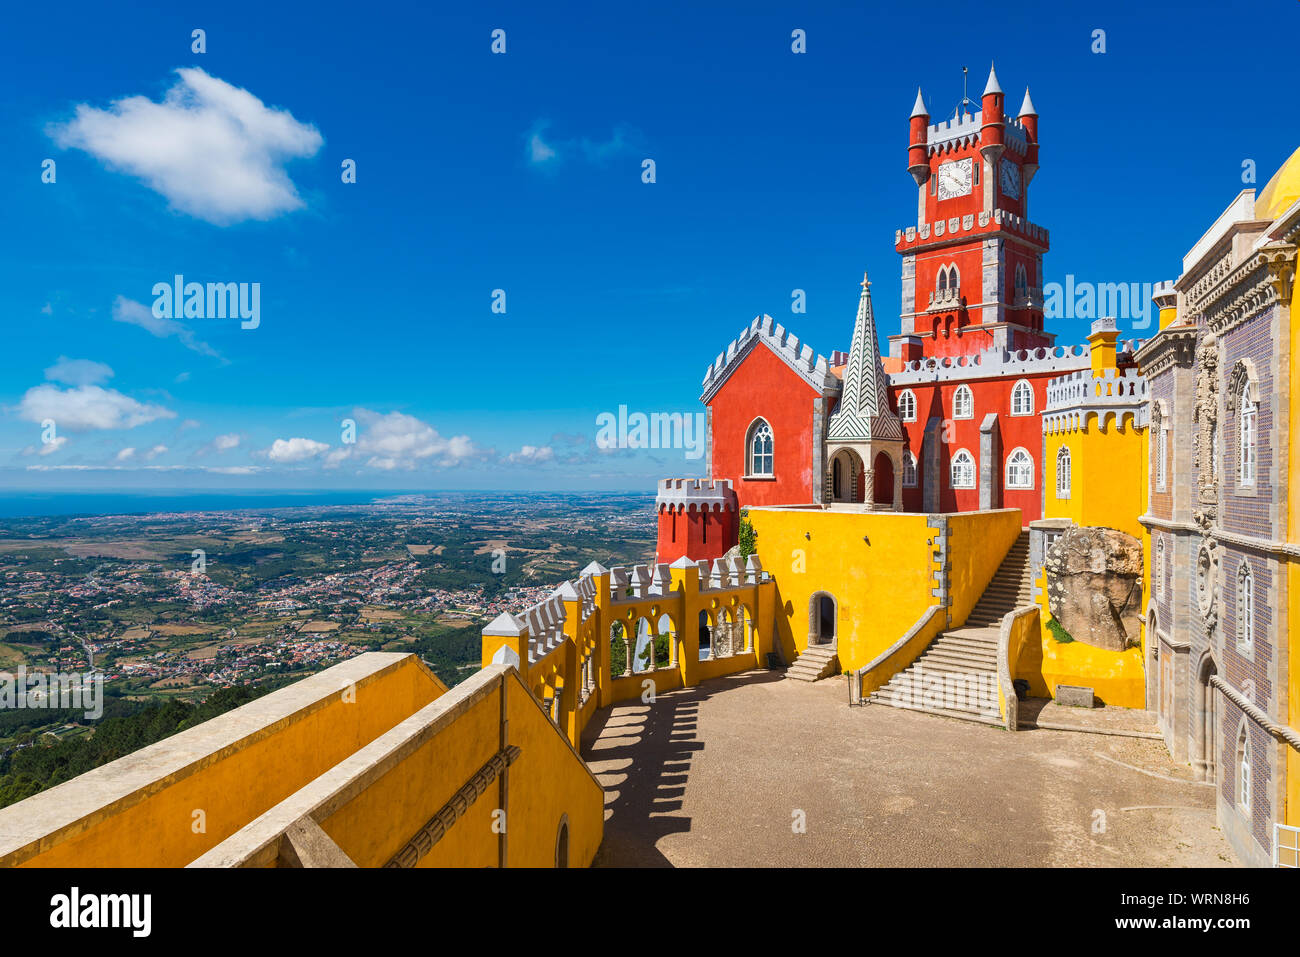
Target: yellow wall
878 566
231 786
1292 816
1107 475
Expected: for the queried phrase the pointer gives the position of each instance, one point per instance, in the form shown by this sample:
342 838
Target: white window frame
1064 478
1245 608
963 390
751 434
1030 472
1028 390
1247 438
959 456
909 469
907 405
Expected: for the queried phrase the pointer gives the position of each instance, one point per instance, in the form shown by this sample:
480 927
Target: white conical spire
993 86
864 413
1027 107
919 108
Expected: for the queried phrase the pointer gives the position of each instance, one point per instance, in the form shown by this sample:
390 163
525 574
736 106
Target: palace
970 520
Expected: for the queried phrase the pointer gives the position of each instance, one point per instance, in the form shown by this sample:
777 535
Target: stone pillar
931 454
990 476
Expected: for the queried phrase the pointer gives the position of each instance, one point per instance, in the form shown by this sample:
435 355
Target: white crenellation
1000 217
1072 400
800 357
993 363
695 494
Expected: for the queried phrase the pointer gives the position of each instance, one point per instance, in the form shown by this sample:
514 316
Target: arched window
760 448
1022 282
963 470
907 405
1020 469
963 403
1247 428
1062 472
1245 609
1160 431
909 470
1022 399
1243 768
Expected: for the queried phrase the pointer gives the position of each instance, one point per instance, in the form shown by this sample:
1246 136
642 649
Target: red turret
918 163
698 518
1029 120
991 113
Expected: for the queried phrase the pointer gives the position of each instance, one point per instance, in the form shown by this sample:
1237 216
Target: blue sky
476 171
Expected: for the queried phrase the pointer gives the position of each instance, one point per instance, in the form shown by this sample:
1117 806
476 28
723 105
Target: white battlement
703 494
802 359
1072 399
972 221
993 363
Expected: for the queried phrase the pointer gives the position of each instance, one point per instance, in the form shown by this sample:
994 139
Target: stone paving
723 773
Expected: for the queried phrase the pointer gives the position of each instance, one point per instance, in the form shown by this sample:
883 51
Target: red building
951 419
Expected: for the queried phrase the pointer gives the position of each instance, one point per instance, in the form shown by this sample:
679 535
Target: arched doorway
706 637
847 476
823 618
883 491
1205 724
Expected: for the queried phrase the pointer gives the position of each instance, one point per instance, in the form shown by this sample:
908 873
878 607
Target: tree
747 537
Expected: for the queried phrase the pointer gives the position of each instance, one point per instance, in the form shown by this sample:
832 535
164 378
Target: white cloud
547 152
154 452
126 454
399 441
213 150
78 371
532 455
294 450
138 314
88 407
58 442
223 443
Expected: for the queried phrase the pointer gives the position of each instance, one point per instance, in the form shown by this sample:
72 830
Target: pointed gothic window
963 470
907 405
1022 399
1062 472
760 449
1022 282
909 470
963 403
1020 469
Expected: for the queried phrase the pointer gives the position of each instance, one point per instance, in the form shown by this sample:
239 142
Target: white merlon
704 494
802 359
1072 399
993 363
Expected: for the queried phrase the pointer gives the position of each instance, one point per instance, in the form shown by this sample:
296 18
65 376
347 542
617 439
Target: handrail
1282 733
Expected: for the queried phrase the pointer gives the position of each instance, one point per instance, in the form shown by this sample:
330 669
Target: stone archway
846 476
883 491
1205 721
823 621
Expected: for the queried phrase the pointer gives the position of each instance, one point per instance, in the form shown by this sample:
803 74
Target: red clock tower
973 263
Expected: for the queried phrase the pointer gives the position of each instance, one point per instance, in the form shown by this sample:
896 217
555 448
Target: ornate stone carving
1207 582
1205 417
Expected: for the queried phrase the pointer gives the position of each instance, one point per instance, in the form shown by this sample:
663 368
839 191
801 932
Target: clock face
955 179
1010 179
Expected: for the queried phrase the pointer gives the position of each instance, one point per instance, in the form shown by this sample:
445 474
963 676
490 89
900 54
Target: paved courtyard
721 775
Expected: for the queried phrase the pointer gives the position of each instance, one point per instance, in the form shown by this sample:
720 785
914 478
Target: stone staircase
956 675
817 661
